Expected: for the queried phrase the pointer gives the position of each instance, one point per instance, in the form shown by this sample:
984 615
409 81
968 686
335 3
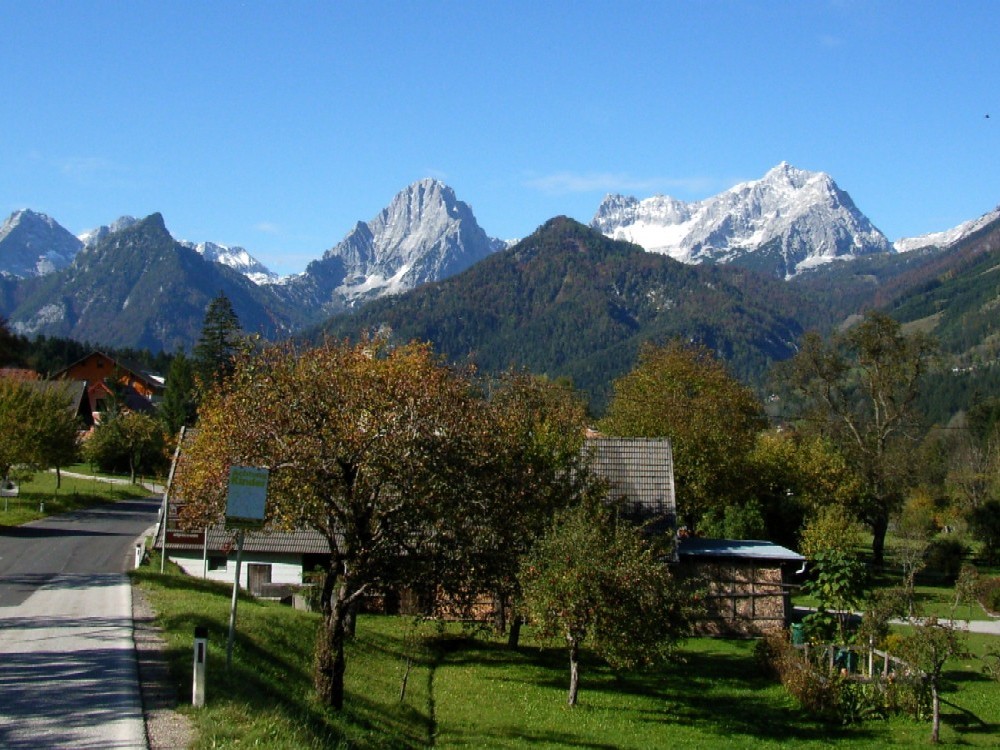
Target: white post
138 555
200 654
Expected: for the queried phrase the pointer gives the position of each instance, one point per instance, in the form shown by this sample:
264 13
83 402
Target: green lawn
465 692
73 493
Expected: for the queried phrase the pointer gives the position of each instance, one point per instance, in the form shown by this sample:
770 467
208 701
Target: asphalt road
68 676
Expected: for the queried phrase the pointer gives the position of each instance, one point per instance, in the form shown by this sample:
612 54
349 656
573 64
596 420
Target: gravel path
166 728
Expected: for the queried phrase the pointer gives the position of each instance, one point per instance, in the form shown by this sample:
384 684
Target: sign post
244 509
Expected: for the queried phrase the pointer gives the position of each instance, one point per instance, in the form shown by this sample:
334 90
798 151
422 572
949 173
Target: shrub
944 556
989 594
985 524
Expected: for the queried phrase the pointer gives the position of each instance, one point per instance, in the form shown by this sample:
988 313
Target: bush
832 695
944 556
985 524
989 594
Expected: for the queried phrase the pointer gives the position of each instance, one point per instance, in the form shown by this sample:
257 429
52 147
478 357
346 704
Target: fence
873 662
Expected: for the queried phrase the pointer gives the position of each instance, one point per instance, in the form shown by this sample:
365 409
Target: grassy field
465 692
73 494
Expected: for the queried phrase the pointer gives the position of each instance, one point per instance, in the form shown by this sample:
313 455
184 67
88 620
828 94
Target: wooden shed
748 583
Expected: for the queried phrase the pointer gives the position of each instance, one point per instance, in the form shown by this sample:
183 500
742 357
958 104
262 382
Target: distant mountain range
779 254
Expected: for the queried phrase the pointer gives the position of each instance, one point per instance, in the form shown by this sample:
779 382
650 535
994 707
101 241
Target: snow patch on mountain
949 236
801 218
237 258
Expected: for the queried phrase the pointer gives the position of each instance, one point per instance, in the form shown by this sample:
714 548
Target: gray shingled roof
302 542
638 470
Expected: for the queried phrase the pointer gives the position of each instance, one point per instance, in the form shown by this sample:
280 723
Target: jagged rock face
802 219
425 234
91 238
32 244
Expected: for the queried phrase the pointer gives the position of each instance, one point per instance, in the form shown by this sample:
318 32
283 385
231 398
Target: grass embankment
39 497
463 692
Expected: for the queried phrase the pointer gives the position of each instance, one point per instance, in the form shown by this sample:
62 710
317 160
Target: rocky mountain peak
33 244
424 234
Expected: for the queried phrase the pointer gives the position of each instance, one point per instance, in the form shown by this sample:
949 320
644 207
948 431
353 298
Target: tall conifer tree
221 334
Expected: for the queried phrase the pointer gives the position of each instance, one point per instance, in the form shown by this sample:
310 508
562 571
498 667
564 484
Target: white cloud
267 227
85 168
562 183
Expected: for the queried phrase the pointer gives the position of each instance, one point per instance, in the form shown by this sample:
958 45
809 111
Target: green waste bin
798 638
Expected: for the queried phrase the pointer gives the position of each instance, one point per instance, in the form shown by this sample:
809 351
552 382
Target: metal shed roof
737 548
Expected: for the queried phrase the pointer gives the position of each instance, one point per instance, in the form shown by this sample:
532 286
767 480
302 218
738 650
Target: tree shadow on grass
717 693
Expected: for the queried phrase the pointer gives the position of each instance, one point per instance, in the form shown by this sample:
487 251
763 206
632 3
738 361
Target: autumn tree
792 477
127 440
597 580
859 389
684 393
54 428
378 448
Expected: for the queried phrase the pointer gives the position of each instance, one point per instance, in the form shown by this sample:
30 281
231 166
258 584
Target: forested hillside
568 302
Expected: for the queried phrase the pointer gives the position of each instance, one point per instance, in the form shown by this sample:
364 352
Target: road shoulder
166 728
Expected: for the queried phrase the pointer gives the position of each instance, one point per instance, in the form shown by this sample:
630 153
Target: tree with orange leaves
378 448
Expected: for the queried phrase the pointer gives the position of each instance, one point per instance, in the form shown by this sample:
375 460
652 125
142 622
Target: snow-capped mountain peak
92 237
33 244
787 221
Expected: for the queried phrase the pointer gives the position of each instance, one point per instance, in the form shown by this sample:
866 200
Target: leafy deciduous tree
685 393
792 477
592 579
536 467
128 440
37 426
55 430
928 648
859 389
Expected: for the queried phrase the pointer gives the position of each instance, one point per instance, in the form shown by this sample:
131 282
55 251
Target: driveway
68 676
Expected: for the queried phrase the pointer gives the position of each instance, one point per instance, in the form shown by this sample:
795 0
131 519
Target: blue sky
277 126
